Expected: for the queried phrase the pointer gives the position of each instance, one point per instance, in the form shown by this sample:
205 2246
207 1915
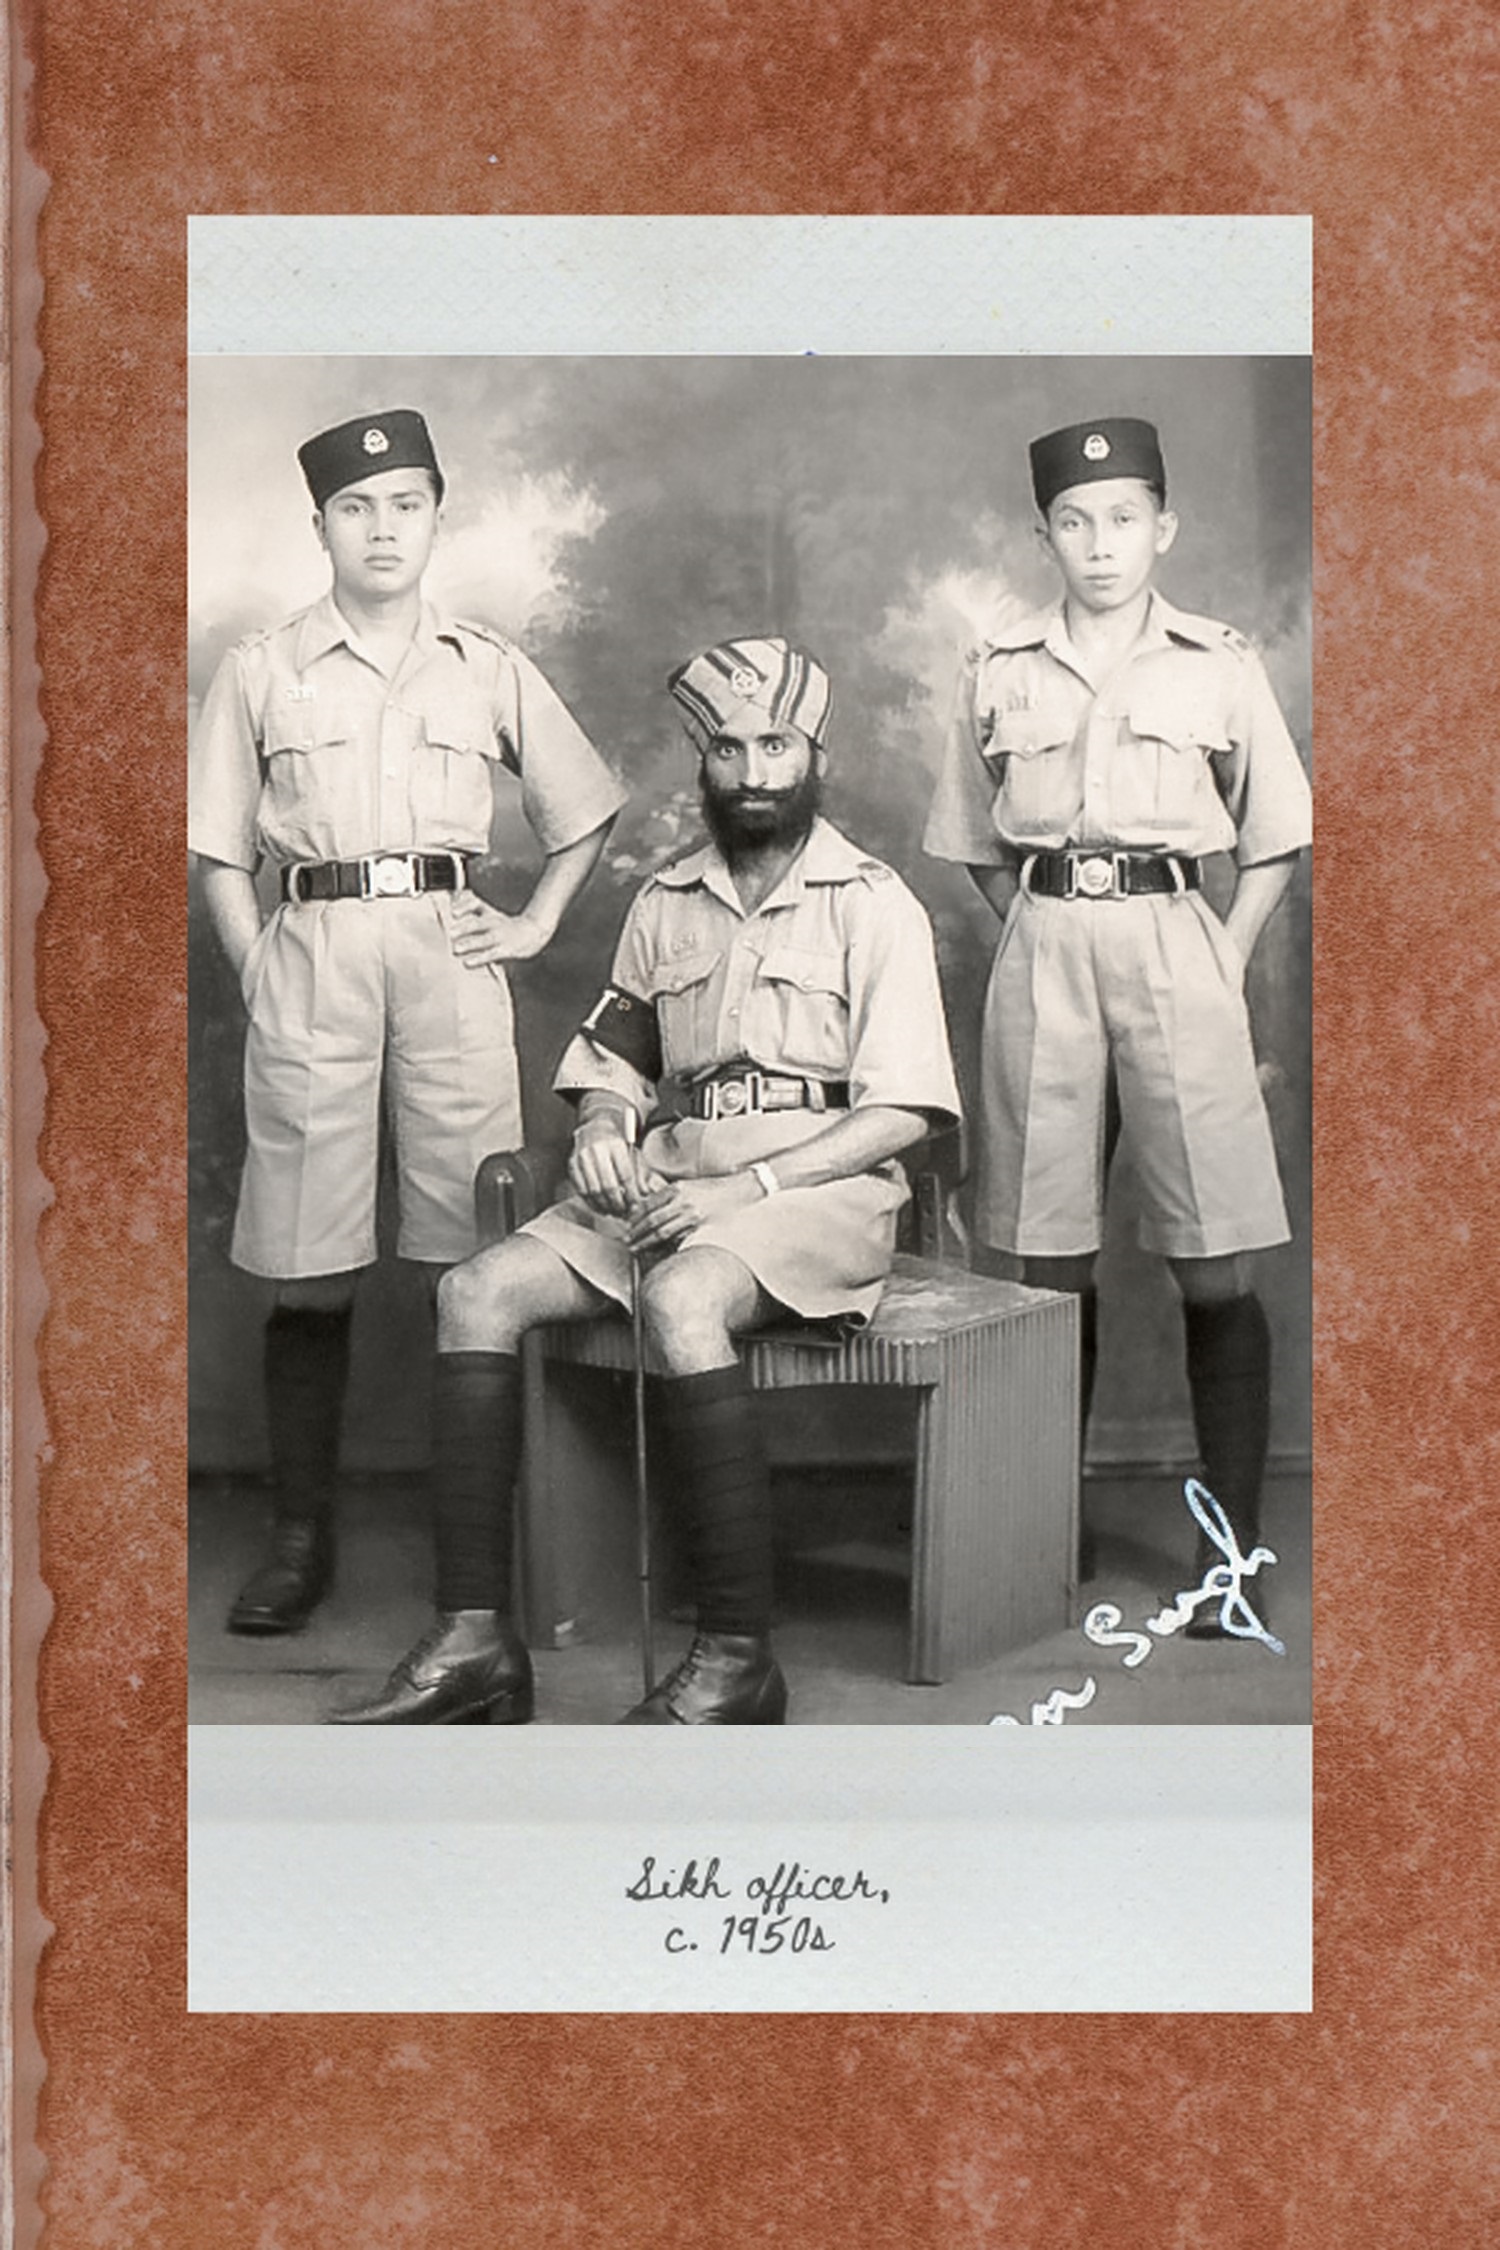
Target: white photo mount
1119 1868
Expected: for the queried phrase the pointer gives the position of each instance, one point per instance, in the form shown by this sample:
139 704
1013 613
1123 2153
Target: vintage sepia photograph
750 1041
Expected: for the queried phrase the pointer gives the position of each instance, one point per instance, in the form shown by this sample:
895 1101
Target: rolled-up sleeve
224 777
898 1034
960 820
567 790
1266 789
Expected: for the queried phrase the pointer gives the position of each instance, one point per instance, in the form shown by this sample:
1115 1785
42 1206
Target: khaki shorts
352 1001
1154 984
824 1251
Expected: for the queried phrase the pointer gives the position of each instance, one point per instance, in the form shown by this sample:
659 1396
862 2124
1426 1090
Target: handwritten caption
1223 1582
778 1911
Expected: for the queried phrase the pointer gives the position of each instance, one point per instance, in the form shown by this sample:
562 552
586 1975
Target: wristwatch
769 1183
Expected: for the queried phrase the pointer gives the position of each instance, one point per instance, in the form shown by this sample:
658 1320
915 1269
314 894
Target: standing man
1099 750
358 746
781 985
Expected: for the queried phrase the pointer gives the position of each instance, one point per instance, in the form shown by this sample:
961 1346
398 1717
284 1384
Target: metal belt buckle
738 1097
391 876
1095 876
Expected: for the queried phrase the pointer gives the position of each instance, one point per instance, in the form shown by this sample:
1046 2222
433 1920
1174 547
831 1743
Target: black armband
625 1025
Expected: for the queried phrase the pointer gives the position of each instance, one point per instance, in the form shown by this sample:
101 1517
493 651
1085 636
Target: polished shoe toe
725 1680
471 1669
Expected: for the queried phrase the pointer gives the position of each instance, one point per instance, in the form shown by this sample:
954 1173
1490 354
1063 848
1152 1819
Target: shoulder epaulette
266 633
488 633
1212 632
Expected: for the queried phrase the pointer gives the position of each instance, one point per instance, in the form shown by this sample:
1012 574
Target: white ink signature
1054 1710
1223 1582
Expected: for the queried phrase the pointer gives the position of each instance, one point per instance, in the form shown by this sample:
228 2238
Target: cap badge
1096 446
376 441
744 682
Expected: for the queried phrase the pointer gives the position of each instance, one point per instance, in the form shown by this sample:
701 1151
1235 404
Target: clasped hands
612 1176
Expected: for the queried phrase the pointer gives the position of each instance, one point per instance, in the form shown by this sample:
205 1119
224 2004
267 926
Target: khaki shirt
306 750
1182 749
833 976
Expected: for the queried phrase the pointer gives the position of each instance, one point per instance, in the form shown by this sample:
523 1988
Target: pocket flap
683 970
808 969
1168 712
455 718
294 729
1027 734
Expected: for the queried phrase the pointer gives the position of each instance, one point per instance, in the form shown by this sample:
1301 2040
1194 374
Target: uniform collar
325 627
1045 628
826 857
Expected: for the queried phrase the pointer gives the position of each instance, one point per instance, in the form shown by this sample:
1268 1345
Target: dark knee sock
1088 1361
477 1432
720 1494
1229 1373
306 1376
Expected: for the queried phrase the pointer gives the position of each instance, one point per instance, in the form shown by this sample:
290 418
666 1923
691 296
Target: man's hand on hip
481 936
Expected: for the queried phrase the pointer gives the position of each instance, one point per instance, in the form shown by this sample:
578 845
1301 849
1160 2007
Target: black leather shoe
282 1596
725 1680
471 1669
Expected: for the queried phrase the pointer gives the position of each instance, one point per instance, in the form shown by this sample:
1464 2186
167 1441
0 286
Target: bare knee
687 1317
482 1305
490 1302
1211 1281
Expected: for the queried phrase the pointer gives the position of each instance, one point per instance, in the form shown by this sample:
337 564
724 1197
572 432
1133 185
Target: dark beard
743 827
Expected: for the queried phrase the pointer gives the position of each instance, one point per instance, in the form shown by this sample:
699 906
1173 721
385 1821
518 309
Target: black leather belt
382 875
749 1093
1108 874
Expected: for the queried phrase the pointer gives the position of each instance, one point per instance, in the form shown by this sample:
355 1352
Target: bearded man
771 1038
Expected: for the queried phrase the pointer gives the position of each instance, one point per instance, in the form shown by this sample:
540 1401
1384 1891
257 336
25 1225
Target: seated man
786 983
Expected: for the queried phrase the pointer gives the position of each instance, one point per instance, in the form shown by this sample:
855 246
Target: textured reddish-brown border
1371 2121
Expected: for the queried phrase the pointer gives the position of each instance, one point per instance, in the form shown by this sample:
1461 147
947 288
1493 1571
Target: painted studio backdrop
612 515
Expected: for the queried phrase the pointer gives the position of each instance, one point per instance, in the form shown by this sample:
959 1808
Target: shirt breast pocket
453 751
1174 732
686 993
802 1011
1030 754
310 771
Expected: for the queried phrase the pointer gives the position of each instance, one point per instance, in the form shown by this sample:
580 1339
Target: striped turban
777 682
